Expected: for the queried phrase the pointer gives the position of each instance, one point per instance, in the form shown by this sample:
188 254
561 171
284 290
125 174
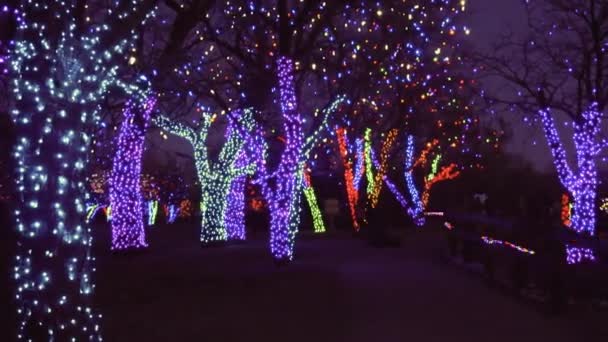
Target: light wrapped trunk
213 209
54 266
235 211
311 198
125 189
284 198
349 176
582 183
417 209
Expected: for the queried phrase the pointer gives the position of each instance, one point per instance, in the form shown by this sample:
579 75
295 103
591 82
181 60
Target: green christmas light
215 177
311 198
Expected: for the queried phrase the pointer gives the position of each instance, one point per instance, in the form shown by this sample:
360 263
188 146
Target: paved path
339 289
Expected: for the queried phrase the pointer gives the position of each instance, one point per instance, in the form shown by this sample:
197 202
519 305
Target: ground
338 289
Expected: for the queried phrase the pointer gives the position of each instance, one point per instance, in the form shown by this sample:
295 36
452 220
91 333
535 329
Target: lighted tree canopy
381 71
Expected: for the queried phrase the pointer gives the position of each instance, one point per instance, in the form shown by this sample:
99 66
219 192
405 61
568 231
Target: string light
125 191
185 208
360 164
152 212
604 205
447 173
583 184
491 241
92 210
235 211
577 255
311 198
108 212
417 205
282 188
386 146
352 193
566 213
61 71
368 162
172 214
393 189
215 177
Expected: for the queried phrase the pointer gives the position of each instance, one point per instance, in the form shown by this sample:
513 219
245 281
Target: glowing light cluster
61 73
577 255
359 164
125 192
369 173
92 211
62 68
171 212
491 241
604 205
282 187
566 212
582 184
446 173
381 172
215 177
311 198
394 190
152 212
352 192
417 204
185 208
235 210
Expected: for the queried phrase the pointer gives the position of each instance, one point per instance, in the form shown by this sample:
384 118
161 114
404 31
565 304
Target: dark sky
488 18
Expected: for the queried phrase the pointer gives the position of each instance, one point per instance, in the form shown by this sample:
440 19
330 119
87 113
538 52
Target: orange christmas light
386 147
447 173
351 192
566 210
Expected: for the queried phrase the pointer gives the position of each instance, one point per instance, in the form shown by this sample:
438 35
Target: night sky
488 19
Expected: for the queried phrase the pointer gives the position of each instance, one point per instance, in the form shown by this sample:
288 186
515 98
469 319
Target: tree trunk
284 198
315 212
235 211
125 191
213 208
581 184
352 193
417 207
53 268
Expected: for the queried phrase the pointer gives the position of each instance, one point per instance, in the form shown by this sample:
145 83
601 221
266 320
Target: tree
407 63
257 44
215 177
66 59
559 69
125 197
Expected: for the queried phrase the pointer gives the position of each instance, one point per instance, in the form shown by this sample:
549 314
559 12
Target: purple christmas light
581 184
359 163
125 192
235 209
395 191
417 210
282 187
215 177
235 206
284 199
577 255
